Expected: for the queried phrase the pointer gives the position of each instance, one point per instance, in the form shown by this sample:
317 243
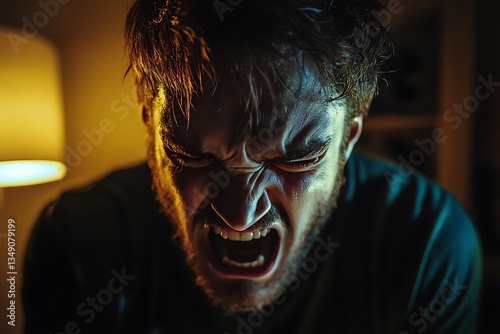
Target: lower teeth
257 263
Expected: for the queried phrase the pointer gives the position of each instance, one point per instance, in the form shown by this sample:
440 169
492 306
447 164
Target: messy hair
171 44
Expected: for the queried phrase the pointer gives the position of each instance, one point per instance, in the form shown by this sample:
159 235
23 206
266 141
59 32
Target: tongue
247 251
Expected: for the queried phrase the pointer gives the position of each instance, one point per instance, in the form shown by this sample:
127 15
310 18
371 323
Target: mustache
207 215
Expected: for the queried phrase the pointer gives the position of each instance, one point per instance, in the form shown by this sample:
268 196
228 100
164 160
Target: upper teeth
239 236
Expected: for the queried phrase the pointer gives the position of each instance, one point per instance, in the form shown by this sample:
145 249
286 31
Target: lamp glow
23 173
31 116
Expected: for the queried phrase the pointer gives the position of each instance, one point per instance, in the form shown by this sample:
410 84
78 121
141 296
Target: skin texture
218 169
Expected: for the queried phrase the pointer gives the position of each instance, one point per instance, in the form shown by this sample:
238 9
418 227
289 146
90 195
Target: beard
236 295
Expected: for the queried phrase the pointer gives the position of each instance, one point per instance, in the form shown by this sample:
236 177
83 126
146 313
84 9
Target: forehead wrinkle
306 118
299 135
312 131
303 120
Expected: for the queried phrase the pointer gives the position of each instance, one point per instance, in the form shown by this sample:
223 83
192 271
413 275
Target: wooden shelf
433 69
398 122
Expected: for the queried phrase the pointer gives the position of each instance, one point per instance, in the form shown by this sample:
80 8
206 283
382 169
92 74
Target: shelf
432 70
398 122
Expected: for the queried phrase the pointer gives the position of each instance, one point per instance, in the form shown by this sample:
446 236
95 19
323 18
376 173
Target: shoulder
391 180
96 217
103 208
83 239
115 189
93 225
418 240
400 193
404 206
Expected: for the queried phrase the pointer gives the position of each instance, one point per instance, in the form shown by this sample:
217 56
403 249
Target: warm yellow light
31 116
28 172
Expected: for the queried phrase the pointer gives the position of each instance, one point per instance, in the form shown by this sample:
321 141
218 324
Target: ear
144 114
354 134
142 106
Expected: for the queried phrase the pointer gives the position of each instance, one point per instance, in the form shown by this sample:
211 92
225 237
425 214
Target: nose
243 202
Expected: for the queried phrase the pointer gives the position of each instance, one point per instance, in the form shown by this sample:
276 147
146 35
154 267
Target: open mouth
243 254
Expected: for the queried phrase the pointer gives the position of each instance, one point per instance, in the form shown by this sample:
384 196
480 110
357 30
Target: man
261 218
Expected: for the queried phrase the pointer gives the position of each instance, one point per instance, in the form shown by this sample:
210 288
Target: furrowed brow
305 150
171 143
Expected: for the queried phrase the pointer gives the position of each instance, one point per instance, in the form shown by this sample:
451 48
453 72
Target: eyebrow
304 150
172 144
293 151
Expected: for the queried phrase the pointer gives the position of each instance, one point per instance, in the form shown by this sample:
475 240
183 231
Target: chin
240 276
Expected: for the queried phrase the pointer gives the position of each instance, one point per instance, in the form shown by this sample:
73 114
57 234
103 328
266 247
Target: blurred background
97 99
444 50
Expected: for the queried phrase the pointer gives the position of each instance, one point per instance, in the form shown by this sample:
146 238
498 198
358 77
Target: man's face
247 201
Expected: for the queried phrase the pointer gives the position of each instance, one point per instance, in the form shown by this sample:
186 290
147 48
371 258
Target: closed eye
190 161
303 164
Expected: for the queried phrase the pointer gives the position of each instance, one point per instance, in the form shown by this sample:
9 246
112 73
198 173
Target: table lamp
31 114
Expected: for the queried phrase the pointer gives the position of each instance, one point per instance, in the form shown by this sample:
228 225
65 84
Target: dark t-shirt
399 255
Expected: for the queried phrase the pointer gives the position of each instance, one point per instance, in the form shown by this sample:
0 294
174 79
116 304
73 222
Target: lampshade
31 116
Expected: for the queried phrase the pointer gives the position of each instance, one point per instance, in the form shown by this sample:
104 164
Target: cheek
189 186
305 185
309 188
306 192
196 189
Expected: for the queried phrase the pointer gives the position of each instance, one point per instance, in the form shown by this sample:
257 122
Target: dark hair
170 43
